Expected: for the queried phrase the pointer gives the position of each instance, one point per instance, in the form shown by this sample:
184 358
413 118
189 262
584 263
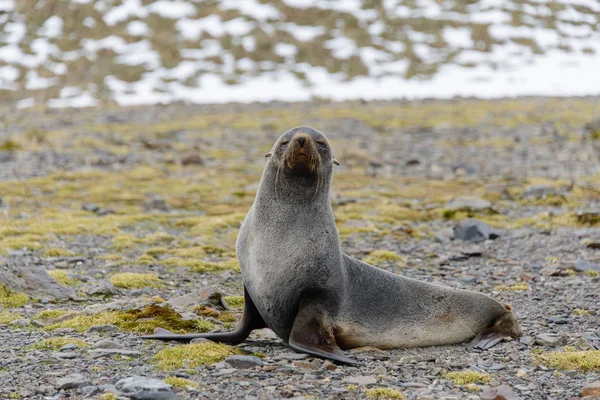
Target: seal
299 283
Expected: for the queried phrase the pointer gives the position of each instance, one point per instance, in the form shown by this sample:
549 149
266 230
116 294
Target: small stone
88 391
243 362
591 389
199 340
292 356
90 207
66 355
593 245
548 339
473 230
527 340
97 353
558 320
68 347
270 368
104 211
361 380
539 192
464 203
192 159
589 216
329 366
106 344
444 235
502 392
20 322
305 364
103 287
156 203
137 384
102 329
72 381
526 277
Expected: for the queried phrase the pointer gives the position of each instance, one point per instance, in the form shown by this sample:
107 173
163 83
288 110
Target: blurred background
83 52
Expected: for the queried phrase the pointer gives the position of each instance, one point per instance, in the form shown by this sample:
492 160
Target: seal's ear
336 162
269 154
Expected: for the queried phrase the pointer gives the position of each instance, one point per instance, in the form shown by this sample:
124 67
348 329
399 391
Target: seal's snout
301 139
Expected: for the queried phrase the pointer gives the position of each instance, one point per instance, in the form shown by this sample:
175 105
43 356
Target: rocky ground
120 221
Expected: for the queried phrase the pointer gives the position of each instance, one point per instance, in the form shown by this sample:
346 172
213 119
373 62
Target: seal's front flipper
251 320
486 340
313 334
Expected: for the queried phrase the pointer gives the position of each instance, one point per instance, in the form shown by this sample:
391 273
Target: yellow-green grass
11 299
62 277
132 280
58 342
583 361
384 394
467 377
193 355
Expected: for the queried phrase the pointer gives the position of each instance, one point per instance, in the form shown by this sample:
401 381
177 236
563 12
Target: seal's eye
284 143
321 144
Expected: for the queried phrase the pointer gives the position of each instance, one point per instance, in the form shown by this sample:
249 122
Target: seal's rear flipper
251 320
313 334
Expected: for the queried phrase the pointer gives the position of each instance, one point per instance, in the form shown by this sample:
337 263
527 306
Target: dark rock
102 329
527 340
90 207
209 295
589 216
106 344
549 339
88 391
32 280
243 362
156 203
192 159
68 347
473 230
72 381
103 287
104 211
558 320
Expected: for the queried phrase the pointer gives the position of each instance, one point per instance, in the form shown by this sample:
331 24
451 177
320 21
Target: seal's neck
283 188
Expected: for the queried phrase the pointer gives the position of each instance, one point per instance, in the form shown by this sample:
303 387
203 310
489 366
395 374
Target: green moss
62 277
8 317
56 252
10 145
583 361
236 302
145 320
201 266
23 242
193 355
384 394
467 377
379 257
146 259
521 286
181 382
123 242
156 251
58 342
108 396
50 314
11 299
131 280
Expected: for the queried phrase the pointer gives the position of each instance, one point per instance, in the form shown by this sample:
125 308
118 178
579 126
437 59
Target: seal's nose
301 139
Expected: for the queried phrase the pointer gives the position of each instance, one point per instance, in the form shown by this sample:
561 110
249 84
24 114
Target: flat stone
465 203
20 322
68 347
97 353
102 329
361 380
66 355
292 356
473 230
22 277
209 295
106 344
72 381
549 339
138 384
103 287
527 340
539 192
591 389
90 207
243 362
305 364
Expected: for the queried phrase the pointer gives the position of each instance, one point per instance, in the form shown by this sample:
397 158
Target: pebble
305 364
66 355
473 230
502 392
464 203
102 329
527 340
106 344
243 362
72 381
137 384
548 339
361 380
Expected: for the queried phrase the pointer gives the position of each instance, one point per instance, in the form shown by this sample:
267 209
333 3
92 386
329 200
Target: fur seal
298 282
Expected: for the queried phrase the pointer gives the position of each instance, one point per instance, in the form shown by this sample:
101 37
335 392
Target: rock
72 381
464 203
157 203
473 230
584 266
90 207
444 236
537 192
67 355
591 389
68 347
97 353
595 245
590 216
328 365
243 362
103 287
527 340
106 344
548 339
502 392
192 158
20 322
104 211
209 295
22 277
291 356
136 385
361 380
558 320
305 364
102 329
89 391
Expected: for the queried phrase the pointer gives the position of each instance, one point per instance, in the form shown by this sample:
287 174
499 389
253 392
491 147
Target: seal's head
303 154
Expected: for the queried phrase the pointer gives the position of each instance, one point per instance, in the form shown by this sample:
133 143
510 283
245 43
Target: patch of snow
13 32
36 82
129 8
285 50
172 9
341 47
7 5
249 43
25 103
238 26
252 8
83 100
303 33
137 28
52 27
458 37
